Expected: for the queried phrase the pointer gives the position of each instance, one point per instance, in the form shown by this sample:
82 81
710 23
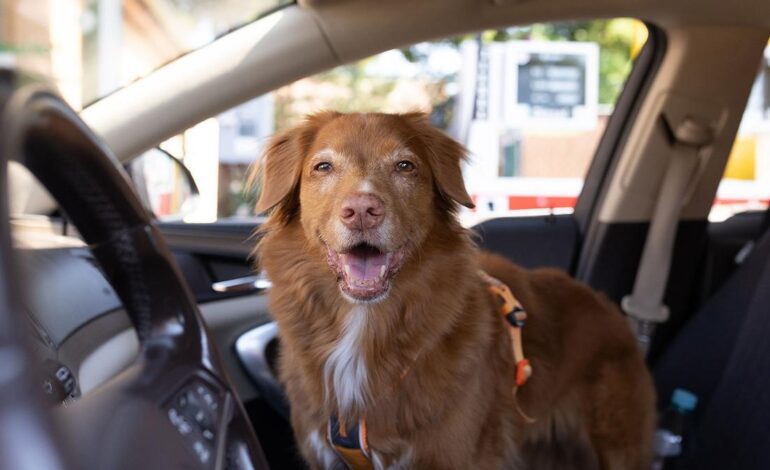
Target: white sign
552 85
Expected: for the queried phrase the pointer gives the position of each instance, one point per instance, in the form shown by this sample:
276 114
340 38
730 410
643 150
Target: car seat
723 356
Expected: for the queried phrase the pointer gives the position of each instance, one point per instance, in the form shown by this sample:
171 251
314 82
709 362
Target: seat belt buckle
644 312
643 319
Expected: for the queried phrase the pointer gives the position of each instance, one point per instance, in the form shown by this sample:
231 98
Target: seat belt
644 306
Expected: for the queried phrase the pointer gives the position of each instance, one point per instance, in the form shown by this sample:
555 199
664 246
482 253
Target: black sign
552 84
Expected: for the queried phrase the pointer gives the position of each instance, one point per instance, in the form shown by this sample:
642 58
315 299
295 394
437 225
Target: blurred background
529 102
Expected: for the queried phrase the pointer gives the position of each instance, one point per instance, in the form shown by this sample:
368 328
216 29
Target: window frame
605 160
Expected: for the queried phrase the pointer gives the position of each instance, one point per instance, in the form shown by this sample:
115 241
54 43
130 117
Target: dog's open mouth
364 271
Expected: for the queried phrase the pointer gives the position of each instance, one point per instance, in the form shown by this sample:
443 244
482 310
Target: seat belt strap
645 304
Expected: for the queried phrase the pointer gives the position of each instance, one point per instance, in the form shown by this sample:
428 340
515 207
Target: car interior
133 324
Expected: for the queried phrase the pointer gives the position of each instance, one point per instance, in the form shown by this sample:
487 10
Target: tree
619 41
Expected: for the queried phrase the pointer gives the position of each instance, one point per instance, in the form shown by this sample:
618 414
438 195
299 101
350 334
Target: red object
540 202
523 371
164 204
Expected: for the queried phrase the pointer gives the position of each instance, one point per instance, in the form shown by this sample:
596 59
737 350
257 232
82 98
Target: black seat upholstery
723 356
531 241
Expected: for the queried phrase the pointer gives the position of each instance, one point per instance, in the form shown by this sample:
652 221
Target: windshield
89 48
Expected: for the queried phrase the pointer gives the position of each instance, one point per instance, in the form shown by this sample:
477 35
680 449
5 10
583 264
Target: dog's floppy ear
281 165
446 156
279 170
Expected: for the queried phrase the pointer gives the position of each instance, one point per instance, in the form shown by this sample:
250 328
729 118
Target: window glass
745 185
529 102
89 48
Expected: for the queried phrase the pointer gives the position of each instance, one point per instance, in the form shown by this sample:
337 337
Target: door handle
255 284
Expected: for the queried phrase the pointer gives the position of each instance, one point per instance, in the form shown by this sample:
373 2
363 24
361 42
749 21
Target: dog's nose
362 211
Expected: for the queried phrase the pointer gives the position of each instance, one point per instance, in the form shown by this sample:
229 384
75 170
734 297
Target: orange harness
351 444
516 317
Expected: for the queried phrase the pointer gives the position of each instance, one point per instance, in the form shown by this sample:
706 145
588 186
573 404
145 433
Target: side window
529 102
745 185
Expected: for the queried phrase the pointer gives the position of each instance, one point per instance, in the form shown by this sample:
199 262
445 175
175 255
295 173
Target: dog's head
368 188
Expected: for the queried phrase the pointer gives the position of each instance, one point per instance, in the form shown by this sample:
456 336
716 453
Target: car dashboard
80 331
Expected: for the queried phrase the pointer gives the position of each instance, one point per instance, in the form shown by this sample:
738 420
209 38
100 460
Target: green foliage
617 39
25 49
345 89
351 88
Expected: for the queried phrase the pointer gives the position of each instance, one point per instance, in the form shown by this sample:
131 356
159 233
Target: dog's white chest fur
345 375
345 371
322 450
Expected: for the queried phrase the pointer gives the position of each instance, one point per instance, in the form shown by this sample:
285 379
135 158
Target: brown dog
384 316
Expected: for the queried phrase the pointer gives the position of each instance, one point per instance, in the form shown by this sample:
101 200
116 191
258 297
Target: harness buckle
350 444
517 318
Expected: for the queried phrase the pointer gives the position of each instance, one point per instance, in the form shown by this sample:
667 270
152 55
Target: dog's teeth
382 271
347 270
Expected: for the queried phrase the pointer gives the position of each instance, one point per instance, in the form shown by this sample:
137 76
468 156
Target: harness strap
516 316
351 444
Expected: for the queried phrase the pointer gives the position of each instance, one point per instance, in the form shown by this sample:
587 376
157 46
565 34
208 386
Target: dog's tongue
364 264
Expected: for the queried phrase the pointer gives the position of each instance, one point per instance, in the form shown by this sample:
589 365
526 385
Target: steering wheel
174 407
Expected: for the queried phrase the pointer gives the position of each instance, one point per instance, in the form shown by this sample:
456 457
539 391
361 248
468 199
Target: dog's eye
404 165
324 167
